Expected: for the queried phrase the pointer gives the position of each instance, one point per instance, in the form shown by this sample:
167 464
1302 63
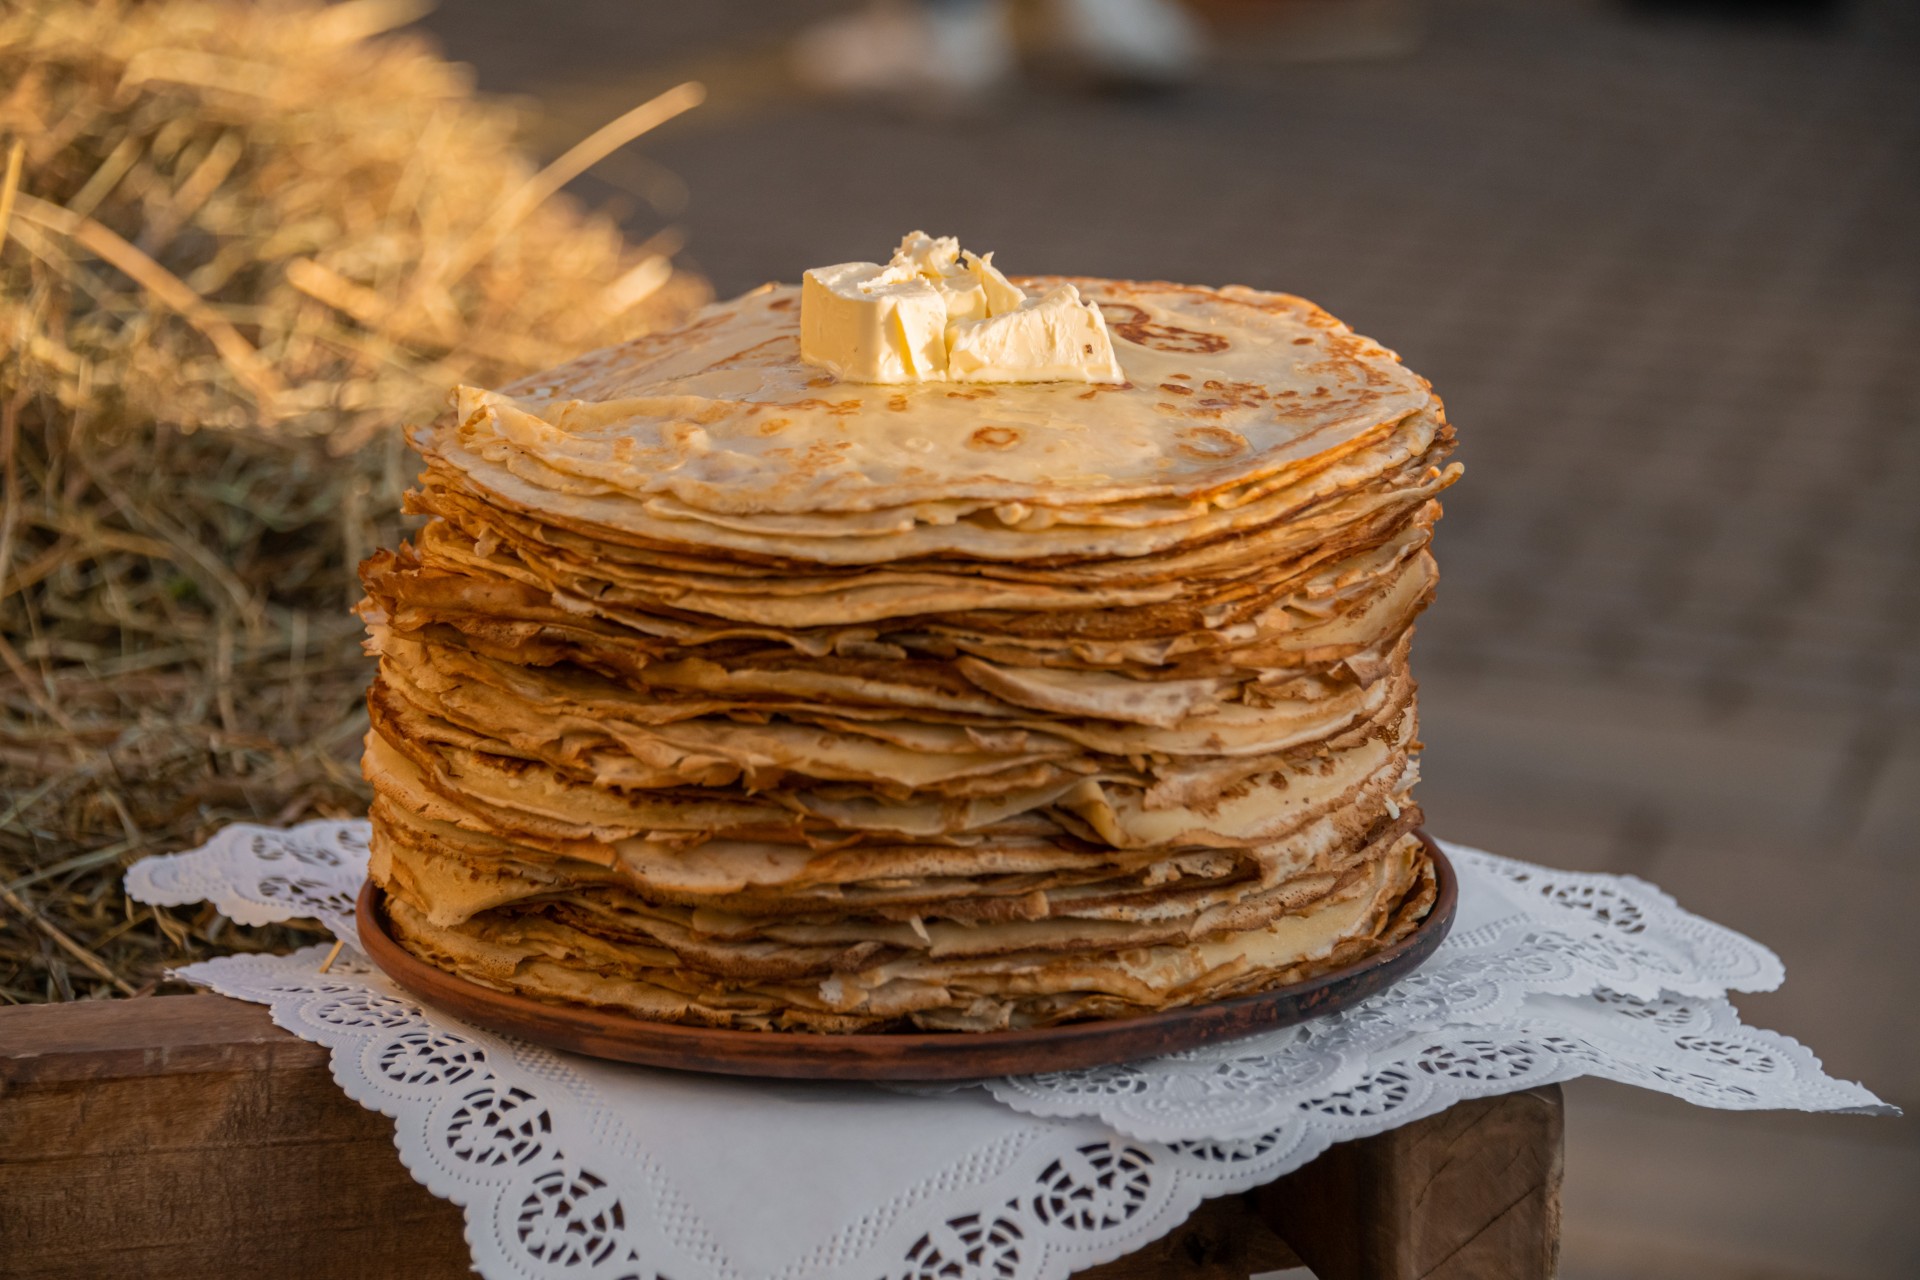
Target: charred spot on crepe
705 697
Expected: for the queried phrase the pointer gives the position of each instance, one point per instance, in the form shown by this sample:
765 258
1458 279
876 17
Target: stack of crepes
720 691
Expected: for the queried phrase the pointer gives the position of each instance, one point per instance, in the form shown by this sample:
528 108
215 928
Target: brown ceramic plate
953 1055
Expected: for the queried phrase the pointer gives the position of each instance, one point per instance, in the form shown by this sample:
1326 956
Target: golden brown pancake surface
714 690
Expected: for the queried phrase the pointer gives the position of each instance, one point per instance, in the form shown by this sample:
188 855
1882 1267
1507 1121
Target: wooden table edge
84 1087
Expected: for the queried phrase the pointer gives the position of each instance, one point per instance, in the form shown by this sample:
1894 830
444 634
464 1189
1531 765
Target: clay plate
952 1055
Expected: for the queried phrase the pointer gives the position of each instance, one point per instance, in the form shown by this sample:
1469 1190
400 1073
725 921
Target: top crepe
1227 388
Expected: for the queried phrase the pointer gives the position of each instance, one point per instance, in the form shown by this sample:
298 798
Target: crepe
719 691
584 957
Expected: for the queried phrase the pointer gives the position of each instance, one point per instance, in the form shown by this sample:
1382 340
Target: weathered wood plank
1470 1193
168 1035
188 1137
1225 1239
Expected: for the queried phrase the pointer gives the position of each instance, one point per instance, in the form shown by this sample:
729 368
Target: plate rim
916 1055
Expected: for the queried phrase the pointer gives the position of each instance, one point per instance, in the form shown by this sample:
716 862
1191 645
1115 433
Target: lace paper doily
569 1168
263 875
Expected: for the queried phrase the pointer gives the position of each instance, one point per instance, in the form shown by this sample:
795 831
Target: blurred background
1663 263
1662 259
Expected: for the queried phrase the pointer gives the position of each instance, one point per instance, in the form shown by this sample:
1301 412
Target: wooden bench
187 1136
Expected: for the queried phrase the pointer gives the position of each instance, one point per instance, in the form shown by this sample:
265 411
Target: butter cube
936 314
863 328
1057 338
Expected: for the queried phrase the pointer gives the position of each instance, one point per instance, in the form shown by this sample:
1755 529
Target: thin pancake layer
550 959
1224 387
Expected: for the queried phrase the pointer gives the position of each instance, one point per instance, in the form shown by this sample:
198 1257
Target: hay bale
240 245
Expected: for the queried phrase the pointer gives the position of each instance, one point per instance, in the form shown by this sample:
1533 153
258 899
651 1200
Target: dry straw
240 245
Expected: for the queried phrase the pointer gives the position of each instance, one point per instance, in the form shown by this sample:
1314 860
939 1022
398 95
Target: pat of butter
1057 338
935 314
863 327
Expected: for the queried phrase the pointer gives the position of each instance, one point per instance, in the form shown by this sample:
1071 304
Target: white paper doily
263 875
569 1168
